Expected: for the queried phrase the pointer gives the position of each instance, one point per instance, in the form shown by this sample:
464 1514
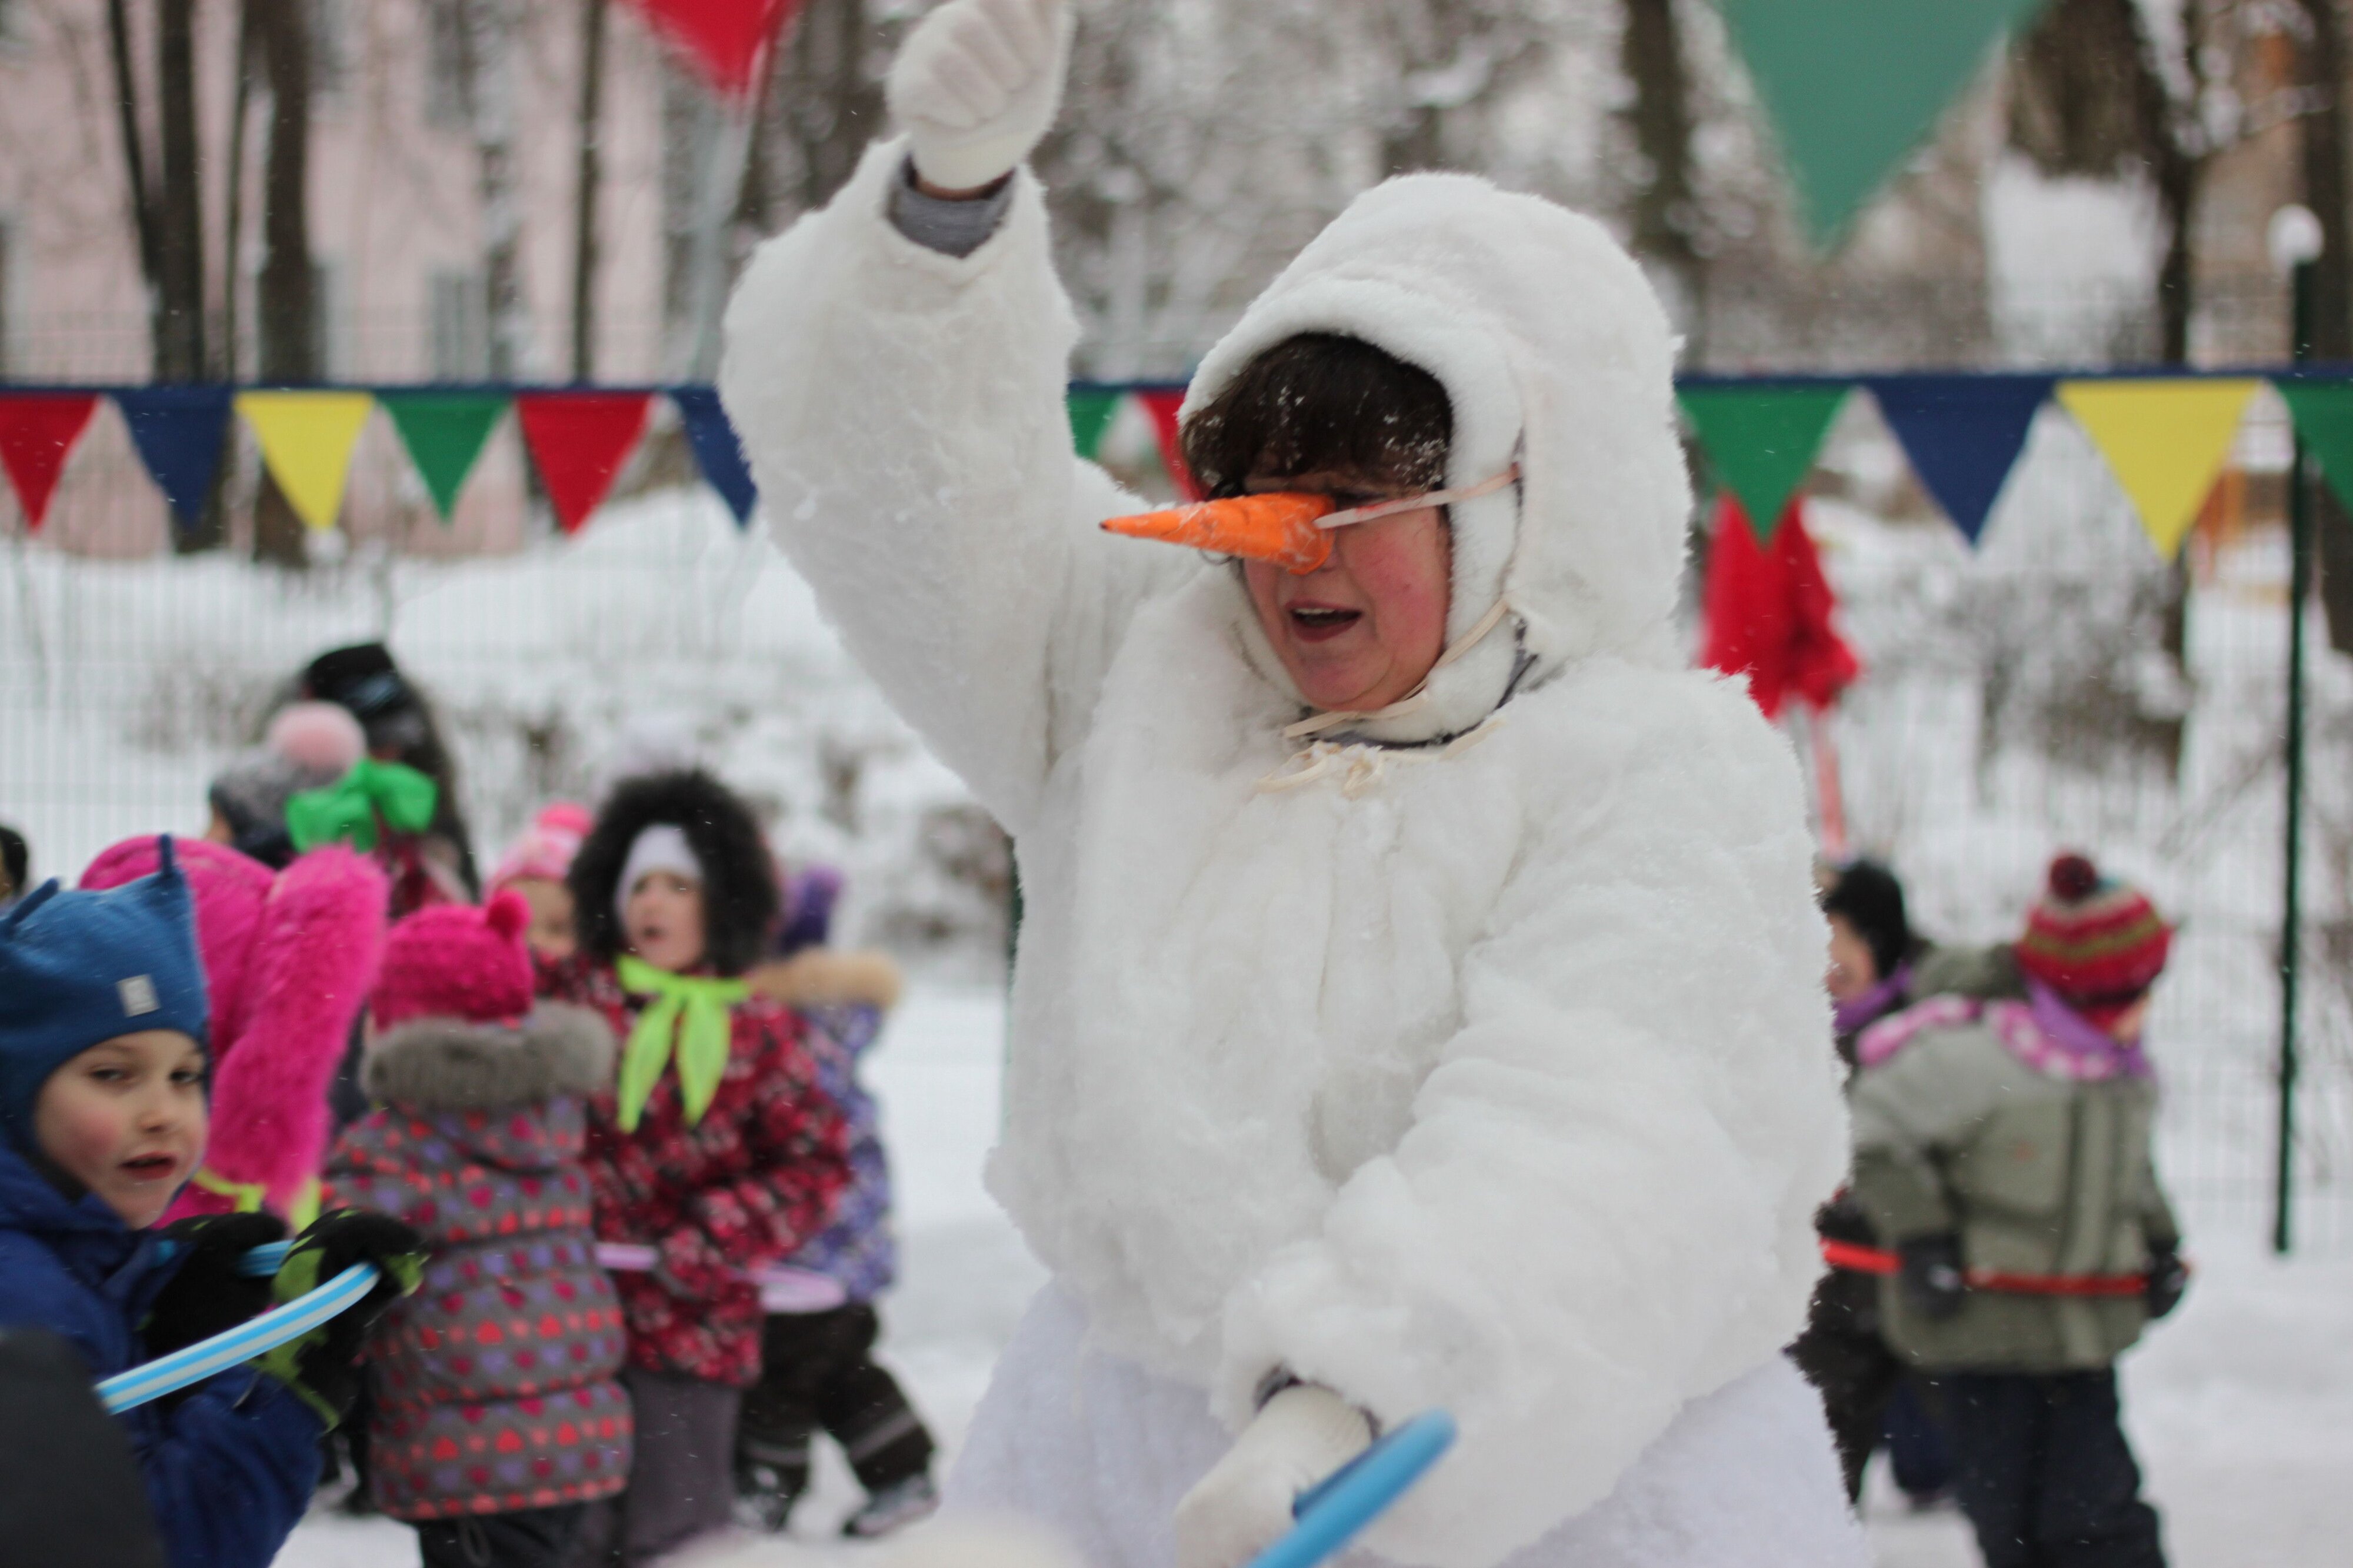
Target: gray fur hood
446 1064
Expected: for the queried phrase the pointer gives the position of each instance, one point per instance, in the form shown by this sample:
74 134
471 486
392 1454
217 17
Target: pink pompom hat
456 961
545 848
317 737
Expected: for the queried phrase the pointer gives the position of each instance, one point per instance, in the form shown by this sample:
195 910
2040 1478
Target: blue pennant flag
716 449
179 431
1962 433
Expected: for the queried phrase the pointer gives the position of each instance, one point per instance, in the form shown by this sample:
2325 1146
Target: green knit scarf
690 1010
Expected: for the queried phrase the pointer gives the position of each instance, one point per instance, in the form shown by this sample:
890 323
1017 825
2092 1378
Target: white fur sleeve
1602 1209
903 413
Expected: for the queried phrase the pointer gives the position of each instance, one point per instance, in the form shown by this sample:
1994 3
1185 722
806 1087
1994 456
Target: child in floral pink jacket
497 1411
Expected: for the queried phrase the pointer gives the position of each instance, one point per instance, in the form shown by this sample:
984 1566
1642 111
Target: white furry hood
1553 348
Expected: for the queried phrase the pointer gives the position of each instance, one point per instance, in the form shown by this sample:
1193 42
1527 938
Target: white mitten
1243 1504
976 85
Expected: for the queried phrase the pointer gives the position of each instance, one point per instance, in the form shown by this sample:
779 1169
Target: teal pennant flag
1853 86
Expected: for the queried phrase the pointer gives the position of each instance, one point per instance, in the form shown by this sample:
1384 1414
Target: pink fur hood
289 958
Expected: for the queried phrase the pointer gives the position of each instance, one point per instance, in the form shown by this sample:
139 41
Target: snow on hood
1554 349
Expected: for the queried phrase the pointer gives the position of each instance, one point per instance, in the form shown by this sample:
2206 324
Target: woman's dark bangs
1321 403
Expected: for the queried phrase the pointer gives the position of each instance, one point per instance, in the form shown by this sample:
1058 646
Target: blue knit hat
78 968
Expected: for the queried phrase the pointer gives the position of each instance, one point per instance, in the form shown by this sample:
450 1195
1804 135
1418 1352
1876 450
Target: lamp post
2295 242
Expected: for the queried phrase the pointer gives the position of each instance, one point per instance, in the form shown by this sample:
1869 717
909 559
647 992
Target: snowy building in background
405 222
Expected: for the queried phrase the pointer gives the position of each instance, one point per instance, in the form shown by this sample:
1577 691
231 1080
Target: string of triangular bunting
579 438
2166 437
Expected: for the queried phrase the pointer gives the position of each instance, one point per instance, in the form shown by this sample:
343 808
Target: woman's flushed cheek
1364 630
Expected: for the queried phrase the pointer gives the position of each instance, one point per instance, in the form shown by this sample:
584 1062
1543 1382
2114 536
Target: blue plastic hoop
1329 1514
192 1363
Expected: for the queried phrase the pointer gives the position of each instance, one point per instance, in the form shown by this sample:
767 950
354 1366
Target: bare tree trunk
2089 97
180 237
2324 185
233 224
135 158
287 286
1428 36
2326 193
1650 50
486 63
2178 171
827 97
584 226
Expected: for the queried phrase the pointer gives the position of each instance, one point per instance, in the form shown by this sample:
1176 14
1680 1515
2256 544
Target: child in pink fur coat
289 957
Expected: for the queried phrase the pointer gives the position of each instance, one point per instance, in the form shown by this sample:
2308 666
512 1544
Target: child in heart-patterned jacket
498 1415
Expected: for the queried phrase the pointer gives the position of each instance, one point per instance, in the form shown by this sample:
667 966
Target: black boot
769 1480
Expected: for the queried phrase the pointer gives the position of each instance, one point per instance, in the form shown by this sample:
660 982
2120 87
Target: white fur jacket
1487 1065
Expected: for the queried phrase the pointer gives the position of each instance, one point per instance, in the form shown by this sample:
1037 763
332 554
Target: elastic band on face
1415 503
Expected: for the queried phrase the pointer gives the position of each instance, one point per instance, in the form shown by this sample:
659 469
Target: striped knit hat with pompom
2100 944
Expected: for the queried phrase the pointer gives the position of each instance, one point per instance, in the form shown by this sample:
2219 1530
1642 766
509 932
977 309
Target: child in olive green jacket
2002 1148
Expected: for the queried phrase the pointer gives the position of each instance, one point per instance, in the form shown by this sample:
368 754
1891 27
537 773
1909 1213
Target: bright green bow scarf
694 1012
348 809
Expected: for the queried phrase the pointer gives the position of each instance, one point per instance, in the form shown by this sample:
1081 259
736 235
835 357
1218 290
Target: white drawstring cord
1362 766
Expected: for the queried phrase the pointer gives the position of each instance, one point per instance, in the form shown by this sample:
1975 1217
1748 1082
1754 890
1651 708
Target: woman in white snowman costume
1419 999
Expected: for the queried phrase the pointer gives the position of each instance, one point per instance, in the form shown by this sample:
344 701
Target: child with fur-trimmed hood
497 1413
713 1149
1419 1000
817 1369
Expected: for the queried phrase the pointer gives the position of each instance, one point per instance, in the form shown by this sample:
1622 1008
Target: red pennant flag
579 440
726 40
1769 612
1163 405
38 432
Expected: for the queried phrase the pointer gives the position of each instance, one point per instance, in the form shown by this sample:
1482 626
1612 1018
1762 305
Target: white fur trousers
1100 1450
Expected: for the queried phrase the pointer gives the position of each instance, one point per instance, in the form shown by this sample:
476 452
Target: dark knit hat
1867 896
364 679
15 863
76 968
2098 943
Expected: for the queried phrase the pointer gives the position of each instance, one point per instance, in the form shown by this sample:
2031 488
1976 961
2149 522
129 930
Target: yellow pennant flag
307 438
2165 439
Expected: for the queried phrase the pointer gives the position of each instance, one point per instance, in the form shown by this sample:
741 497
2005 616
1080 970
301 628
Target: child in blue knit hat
102 1117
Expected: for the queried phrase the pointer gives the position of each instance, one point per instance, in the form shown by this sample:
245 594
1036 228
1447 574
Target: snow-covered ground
2239 1403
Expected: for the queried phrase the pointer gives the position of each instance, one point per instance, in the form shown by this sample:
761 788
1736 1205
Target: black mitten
322 1366
208 1294
1931 1276
2168 1277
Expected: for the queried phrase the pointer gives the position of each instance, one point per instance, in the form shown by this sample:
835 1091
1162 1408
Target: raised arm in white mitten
976 85
1243 1504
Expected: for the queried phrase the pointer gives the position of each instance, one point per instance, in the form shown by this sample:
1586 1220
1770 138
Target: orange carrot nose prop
1279 527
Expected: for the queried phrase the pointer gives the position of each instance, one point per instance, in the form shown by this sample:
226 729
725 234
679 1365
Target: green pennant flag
444 433
1091 411
1853 86
2323 412
1761 439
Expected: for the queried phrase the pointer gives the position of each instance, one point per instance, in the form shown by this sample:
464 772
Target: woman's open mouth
1321 623
150 1167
